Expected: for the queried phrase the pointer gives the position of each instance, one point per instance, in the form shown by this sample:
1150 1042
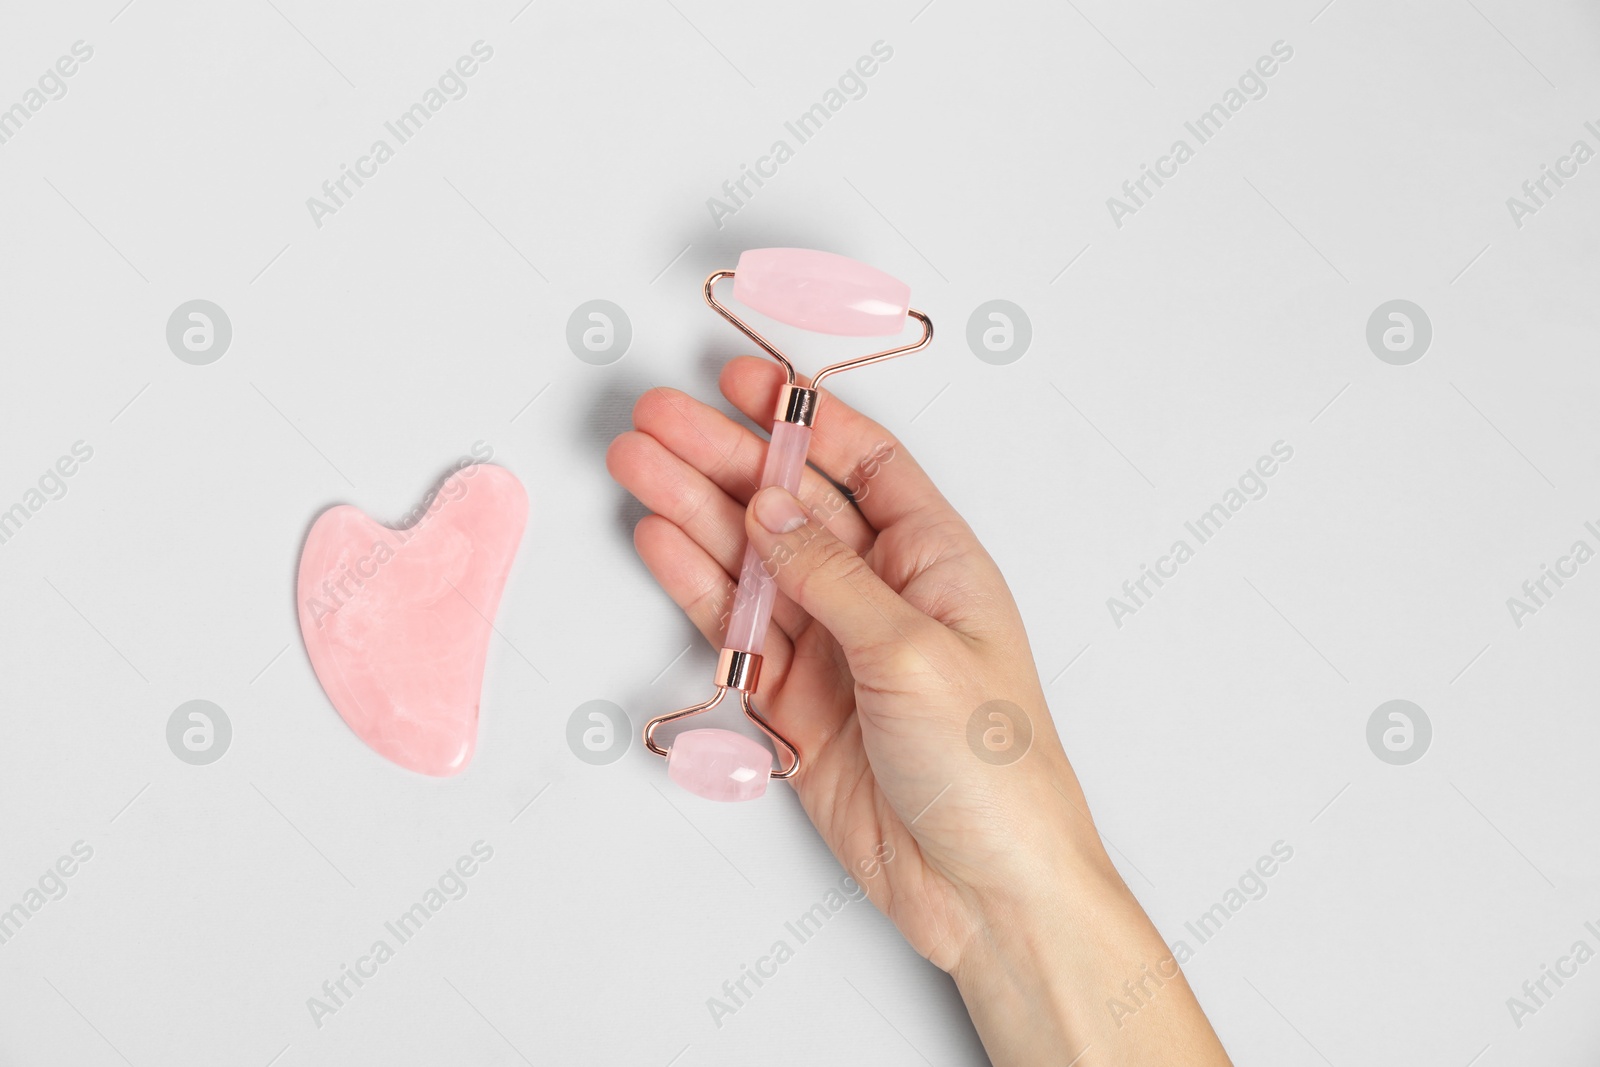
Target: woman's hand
897 663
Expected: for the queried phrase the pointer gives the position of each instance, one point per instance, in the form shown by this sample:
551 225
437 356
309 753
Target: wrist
1060 963
1051 872
1036 951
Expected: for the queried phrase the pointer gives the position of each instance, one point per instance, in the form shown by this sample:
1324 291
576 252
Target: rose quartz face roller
825 293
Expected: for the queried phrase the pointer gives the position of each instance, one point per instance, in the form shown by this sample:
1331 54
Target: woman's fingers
688 500
732 457
892 648
812 706
848 447
680 494
924 550
700 586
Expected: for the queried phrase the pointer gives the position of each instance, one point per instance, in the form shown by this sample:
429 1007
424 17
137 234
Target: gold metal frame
746 702
833 368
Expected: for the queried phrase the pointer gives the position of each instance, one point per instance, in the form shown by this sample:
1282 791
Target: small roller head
822 292
719 764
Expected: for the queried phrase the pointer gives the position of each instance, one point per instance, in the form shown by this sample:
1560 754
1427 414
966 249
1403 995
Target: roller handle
758 588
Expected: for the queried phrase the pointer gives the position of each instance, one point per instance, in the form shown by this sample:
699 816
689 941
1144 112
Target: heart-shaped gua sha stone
397 622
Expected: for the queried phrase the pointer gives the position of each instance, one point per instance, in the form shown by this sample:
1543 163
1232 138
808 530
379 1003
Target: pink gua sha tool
825 293
397 622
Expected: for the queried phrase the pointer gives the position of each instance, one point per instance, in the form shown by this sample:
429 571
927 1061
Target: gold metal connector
738 670
796 404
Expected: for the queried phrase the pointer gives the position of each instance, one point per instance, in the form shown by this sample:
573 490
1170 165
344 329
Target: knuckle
690 507
836 559
902 659
899 663
824 502
741 452
879 455
826 561
710 603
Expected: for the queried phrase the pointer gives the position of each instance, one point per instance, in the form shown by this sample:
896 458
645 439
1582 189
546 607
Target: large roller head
821 291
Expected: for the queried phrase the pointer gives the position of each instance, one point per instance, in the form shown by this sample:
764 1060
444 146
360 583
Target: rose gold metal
746 701
879 357
833 368
738 670
748 330
797 404
671 716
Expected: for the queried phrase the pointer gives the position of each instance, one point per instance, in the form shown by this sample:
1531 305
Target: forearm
1075 973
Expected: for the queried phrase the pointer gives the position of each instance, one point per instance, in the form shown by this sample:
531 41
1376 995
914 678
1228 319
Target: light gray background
430 313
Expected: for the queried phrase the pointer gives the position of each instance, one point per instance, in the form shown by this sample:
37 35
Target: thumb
882 636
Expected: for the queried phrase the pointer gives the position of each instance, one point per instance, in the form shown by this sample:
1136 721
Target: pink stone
397 622
758 588
821 291
719 764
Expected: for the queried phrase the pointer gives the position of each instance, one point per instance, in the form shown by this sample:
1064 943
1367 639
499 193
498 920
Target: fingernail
779 512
